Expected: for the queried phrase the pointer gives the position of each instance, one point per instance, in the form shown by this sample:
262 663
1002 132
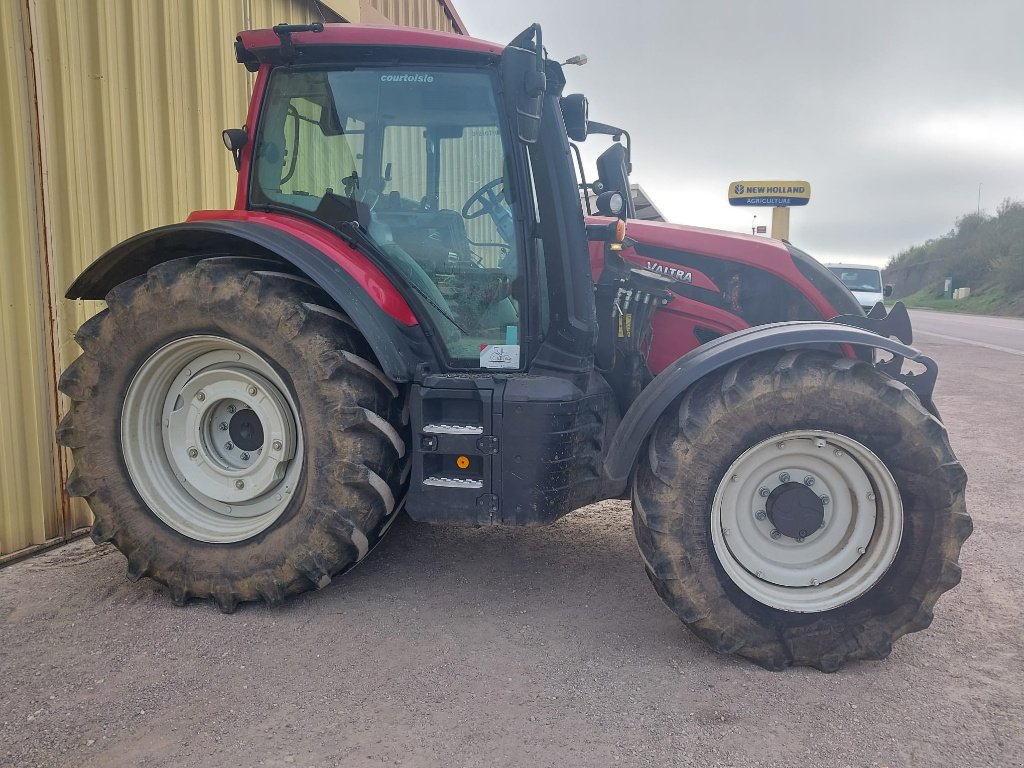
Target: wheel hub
795 510
224 470
806 521
246 430
211 439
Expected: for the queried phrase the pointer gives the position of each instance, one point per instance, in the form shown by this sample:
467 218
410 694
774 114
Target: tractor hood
719 255
700 240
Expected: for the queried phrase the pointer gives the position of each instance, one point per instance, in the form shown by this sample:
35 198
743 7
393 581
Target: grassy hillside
987 302
983 252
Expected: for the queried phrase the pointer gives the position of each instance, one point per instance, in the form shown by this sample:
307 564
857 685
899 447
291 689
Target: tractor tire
799 509
231 432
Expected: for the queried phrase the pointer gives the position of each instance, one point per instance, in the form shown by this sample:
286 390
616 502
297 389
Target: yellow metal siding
426 14
267 13
30 512
121 134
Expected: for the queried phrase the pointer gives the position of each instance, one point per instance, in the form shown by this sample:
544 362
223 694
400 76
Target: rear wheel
231 433
799 509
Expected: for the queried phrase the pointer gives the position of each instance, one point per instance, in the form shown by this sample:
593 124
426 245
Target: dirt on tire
354 451
754 399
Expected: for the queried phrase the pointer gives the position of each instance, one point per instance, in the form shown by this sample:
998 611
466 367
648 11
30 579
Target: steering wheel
489 199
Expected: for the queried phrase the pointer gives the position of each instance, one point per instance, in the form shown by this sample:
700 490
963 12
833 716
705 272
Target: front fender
386 322
639 420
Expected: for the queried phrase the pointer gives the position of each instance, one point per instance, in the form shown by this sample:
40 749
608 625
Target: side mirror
887 291
575 109
611 203
524 83
234 140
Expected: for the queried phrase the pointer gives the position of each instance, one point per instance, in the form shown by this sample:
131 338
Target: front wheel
231 432
799 509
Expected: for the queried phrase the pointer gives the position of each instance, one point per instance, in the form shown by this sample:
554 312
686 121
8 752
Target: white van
864 282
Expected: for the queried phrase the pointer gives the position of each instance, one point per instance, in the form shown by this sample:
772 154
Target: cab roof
257 46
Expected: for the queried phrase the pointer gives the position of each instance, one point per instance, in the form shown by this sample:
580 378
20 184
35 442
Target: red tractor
407 310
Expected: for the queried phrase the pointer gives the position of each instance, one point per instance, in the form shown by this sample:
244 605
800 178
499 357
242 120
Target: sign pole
780 223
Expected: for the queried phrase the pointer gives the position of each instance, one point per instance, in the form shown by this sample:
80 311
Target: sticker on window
407 77
499 356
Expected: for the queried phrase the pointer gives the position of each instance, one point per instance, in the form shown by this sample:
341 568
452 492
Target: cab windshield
416 158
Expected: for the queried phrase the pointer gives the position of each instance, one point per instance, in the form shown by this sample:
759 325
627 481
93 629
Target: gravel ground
541 647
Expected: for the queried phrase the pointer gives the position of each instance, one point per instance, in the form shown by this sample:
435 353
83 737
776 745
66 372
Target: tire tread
675 553
358 496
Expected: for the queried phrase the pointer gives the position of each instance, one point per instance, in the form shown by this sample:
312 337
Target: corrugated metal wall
428 14
30 512
110 120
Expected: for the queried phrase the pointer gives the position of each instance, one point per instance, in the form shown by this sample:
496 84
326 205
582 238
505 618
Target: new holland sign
769 194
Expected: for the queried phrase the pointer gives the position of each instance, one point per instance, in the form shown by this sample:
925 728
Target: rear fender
383 318
639 420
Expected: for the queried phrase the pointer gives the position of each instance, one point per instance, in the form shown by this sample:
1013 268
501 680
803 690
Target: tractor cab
444 165
412 158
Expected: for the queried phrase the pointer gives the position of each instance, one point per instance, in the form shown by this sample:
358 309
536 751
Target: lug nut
229 446
223 426
808 480
727 531
239 484
192 453
200 396
765 493
759 574
252 390
760 515
814 582
781 445
276 445
784 477
862 550
231 409
245 457
803 534
824 499
776 534
735 478
838 453
871 497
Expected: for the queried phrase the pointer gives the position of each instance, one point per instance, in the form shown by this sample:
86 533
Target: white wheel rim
185 410
860 532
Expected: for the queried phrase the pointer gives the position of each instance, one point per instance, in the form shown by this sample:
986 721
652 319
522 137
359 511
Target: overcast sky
894 111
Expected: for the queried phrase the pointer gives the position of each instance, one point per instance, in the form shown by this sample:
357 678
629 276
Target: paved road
541 647
1001 334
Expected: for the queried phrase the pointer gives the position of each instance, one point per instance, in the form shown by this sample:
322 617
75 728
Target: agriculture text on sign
769 194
